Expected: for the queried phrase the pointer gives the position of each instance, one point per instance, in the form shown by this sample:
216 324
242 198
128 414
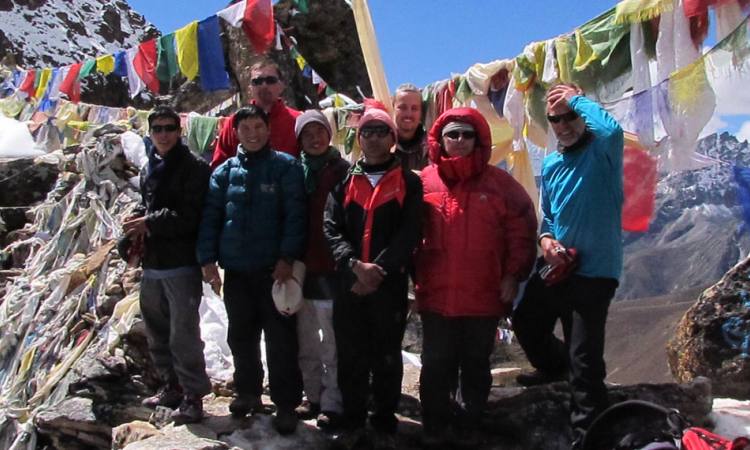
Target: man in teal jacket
582 195
254 225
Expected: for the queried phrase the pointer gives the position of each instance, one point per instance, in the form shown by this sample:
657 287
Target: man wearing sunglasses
478 245
265 91
372 223
164 231
582 195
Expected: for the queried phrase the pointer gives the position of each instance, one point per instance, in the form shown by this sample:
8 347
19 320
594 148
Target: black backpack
635 425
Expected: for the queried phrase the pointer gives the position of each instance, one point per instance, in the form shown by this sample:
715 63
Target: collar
408 143
250 157
582 142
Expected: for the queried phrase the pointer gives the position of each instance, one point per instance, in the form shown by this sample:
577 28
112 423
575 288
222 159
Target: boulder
713 337
538 417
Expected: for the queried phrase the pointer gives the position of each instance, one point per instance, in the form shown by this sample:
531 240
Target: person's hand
553 251
369 274
211 276
135 226
508 289
561 94
360 289
282 271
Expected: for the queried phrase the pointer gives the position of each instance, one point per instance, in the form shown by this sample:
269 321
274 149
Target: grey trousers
169 307
317 354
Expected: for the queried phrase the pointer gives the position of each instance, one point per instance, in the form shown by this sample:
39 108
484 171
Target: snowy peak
53 33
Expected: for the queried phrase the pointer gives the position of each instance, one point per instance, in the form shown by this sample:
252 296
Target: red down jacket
479 225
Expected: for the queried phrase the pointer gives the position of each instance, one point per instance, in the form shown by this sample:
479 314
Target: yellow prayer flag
186 39
43 81
687 85
633 11
105 64
563 46
585 54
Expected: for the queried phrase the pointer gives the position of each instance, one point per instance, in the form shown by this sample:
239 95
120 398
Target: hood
467 115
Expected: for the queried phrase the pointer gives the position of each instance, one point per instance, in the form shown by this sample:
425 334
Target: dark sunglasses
267 80
168 128
567 117
456 134
380 132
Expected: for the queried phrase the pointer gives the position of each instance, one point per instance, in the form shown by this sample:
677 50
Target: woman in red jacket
478 244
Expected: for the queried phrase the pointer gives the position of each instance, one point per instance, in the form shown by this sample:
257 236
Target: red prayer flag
697 7
71 86
639 184
28 83
145 65
258 24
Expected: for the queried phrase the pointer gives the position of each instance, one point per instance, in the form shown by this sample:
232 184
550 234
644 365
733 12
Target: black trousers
452 345
250 310
369 331
581 304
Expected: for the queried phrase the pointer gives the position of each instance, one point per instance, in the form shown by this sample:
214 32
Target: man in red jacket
265 90
479 231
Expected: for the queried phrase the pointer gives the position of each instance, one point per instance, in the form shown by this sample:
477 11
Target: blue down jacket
254 212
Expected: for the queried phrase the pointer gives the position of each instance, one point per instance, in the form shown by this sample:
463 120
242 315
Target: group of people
419 204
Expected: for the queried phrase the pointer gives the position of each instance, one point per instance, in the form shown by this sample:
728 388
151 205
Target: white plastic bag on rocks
219 362
16 140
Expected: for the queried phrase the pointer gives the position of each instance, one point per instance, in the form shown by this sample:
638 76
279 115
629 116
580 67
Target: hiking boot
384 441
537 377
467 438
190 410
307 410
349 439
242 405
329 421
169 395
285 421
436 440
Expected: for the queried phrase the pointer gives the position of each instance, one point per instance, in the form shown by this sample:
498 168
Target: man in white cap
324 168
372 222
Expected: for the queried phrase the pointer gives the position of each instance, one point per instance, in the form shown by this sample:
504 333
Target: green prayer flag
88 66
166 66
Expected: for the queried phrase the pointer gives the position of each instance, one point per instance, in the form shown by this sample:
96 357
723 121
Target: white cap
287 296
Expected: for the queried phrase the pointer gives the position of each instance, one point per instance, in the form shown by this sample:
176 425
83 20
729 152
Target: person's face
314 138
253 134
165 134
566 124
408 115
459 143
265 85
376 140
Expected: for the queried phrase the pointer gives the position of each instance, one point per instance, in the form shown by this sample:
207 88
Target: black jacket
172 205
390 235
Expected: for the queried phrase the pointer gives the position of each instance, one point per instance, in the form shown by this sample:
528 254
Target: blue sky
422 41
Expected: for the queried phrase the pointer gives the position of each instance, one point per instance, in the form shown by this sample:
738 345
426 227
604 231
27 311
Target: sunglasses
267 80
380 132
454 135
567 117
168 128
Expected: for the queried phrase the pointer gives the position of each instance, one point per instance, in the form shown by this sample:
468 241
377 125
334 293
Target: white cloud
744 133
713 125
729 84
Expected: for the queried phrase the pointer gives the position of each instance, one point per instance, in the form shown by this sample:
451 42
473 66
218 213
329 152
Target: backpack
635 425
642 425
695 438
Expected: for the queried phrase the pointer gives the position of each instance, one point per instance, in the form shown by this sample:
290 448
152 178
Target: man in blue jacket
254 224
582 195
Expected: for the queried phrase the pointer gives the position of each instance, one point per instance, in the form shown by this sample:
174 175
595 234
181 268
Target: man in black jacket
163 233
372 223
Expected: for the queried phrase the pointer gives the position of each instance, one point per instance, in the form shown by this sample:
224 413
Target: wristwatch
352 263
